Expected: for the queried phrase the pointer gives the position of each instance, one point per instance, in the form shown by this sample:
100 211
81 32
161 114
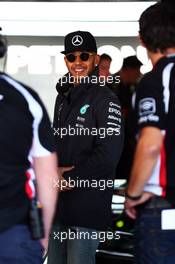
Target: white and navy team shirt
25 132
155 106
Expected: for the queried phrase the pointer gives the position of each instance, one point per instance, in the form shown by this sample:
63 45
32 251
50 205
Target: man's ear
97 59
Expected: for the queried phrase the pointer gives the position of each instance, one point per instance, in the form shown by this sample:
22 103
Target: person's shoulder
149 80
150 85
18 86
163 62
103 91
155 75
147 77
30 90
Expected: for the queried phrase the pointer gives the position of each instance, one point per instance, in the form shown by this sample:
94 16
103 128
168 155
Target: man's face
130 75
80 67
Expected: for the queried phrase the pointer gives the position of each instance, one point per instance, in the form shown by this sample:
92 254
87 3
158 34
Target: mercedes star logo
77 40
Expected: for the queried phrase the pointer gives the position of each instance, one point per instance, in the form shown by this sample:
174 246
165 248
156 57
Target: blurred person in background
129 76
104 65
104 72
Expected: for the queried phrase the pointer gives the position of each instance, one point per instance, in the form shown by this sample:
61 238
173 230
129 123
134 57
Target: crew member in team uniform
150 195
27 160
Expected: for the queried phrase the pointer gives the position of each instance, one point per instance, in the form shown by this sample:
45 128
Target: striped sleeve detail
163 174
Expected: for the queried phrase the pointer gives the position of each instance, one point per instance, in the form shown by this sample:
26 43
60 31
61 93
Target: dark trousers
17 247
153 245
64 249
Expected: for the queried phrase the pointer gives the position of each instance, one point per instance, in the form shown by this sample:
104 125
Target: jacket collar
64 86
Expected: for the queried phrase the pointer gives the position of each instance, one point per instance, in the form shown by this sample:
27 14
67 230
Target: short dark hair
157 27
105 56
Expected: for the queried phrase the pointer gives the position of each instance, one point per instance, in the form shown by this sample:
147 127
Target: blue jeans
67 247
153 245
17 247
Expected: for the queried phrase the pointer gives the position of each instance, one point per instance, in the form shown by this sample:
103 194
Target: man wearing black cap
90 117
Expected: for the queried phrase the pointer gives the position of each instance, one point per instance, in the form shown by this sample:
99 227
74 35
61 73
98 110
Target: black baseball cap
79 41
131 62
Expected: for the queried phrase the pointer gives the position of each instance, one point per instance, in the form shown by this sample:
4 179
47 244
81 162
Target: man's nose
77 59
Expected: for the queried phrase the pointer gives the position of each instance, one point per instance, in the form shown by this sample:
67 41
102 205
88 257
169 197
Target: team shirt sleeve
43 140
149 105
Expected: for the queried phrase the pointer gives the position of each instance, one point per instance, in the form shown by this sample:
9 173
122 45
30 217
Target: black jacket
95 157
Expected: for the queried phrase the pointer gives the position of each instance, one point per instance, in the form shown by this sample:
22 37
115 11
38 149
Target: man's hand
130 204
64 185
